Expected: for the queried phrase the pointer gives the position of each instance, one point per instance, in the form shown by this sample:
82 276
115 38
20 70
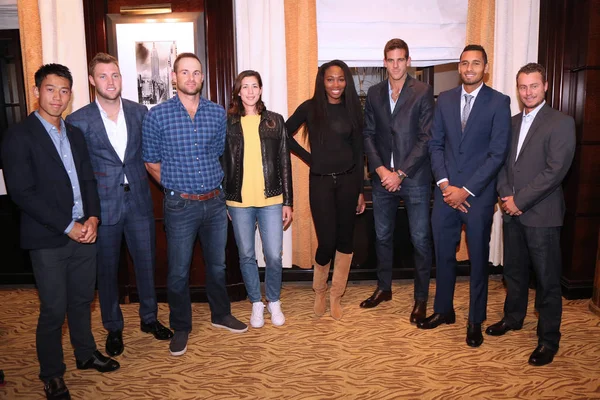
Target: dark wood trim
221 51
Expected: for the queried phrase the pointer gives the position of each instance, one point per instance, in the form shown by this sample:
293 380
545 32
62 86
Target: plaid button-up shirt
188 150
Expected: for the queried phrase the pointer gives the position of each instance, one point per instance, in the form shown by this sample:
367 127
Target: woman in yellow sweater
258 190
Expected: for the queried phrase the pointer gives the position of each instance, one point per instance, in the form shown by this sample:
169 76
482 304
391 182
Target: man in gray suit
112 127
398 114
529 185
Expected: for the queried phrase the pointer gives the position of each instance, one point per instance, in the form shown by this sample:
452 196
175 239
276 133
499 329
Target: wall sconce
147 9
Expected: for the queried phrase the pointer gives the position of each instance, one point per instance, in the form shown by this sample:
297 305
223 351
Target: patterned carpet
370 354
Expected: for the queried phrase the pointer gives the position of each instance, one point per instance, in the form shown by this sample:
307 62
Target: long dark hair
349 99
236 108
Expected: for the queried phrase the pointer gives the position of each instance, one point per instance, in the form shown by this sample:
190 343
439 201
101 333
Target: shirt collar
474 93
47 125
200 103
104 113
534 112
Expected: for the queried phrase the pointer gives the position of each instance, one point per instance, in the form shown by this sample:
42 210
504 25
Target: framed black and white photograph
146 47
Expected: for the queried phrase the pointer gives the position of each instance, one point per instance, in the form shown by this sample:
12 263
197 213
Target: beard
108 95
189 91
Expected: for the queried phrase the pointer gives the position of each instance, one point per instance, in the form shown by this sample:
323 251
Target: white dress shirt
117 132
525 125
474 93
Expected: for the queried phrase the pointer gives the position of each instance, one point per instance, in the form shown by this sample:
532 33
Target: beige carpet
370 354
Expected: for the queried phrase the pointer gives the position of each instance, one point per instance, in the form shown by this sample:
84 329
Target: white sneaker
277 317
257 319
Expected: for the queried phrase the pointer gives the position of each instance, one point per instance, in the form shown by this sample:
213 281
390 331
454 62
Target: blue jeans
270 226
417 202
186 220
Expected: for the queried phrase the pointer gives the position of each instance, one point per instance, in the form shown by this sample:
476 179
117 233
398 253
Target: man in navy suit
49 176
470 139
112 127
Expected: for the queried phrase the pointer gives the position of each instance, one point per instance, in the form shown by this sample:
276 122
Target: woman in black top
333 119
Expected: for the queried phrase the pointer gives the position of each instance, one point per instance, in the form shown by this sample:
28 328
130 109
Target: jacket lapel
130 128
97 128
405 94
43 138
455 106
385 97
516 129
537 122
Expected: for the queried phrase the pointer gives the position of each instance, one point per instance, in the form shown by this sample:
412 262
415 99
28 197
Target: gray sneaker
230 323
178 345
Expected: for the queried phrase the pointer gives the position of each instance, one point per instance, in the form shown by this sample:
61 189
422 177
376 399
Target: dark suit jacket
38 183
472 159
405 130
108 167
535 178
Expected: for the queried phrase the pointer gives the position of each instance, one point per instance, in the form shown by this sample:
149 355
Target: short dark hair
53 69
476 47
185 55
394 44
532 68
235 106
101 58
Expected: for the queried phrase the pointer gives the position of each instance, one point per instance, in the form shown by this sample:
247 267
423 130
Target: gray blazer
108 167
403 130
545 158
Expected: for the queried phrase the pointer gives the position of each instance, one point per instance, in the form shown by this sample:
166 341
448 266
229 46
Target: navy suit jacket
403 131
471 159
38 183
108 167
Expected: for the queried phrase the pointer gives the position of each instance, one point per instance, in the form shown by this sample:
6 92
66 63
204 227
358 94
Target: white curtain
63 42
356 31
260 37
515 44
8 14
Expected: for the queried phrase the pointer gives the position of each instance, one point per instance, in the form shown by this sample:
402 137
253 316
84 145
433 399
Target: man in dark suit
112 127
49 176
529 184
470 137
398 115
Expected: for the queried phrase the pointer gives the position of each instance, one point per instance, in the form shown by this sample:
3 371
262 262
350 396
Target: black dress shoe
159 331
499 328
99 362
56 389
419 311
541 356
377 297
474 336
114 343
436 319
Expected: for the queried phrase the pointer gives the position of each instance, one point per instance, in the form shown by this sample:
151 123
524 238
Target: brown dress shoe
377 297
56 389
419 311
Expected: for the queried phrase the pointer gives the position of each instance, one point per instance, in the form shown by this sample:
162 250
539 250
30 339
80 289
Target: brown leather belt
191 196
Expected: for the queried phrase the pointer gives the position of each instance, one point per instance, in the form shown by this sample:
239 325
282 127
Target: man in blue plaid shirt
183 139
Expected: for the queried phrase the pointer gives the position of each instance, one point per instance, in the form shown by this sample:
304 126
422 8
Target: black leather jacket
277 166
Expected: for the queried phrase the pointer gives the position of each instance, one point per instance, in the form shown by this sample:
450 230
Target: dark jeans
333 201
185 221
417 202
65 278
525 247
140 237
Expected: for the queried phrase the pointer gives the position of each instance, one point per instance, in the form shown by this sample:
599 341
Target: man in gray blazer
529 185
112 127
398 114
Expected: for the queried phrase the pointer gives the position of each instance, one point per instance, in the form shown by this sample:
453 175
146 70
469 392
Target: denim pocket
174 204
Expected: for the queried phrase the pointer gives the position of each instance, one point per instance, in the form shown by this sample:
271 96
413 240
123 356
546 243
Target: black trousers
333 201
65 278
539 248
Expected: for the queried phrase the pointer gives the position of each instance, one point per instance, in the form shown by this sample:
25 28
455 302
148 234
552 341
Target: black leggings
333 202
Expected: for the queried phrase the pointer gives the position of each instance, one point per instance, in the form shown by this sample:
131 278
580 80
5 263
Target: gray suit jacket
534 179
108 167
403 131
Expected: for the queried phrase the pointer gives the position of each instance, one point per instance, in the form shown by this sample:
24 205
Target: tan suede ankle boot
341 269
320 276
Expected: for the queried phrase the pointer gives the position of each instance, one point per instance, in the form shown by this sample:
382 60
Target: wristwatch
401 175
